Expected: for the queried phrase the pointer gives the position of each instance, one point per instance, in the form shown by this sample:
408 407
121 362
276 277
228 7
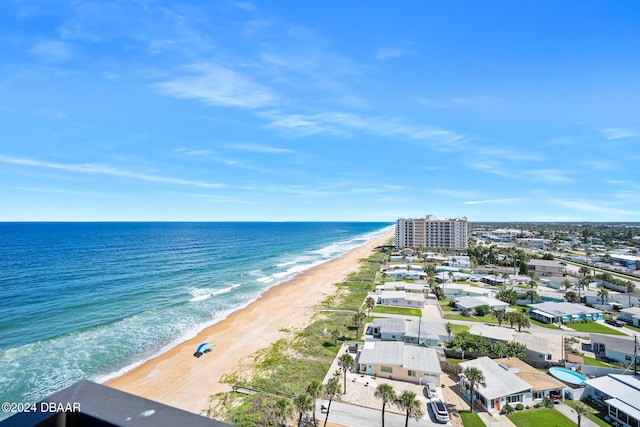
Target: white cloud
492 201
53 50
219 86
384 54
256 148
104 169
553 176
593 208
618 133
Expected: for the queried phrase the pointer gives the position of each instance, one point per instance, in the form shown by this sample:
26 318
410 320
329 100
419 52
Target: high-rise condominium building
432 233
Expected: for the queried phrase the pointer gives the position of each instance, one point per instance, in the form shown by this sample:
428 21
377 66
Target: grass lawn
397 310
456 362
592 414
633 328
470 419
540 417
456 329
444 305
593 327
594 362
460 317
544 325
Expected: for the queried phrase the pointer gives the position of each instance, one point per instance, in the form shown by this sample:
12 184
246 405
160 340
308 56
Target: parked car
429 391
439 411
615 322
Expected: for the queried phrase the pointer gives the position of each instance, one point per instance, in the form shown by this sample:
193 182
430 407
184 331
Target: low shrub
519 407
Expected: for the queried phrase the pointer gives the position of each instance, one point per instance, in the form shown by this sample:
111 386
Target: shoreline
179 379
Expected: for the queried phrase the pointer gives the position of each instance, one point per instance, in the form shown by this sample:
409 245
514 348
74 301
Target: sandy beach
178 379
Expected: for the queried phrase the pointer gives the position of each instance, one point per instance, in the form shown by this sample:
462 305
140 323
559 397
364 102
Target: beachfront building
620 394
410 332
432 233
401 299
508 382
468 305
615 347
630 315
563 312
546 268
399 361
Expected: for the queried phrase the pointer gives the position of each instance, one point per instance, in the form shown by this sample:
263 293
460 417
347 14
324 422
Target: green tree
314 390
509 296
630 288
335 335
303 404
499 315
603 294
567 284
387 394
358 322
474 377
512 317
409 403
346 363
571 296
449 329
370 302
283 410
522 321
331 391
438 292
532 295
582 410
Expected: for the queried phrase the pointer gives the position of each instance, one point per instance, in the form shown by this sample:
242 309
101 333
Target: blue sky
319 110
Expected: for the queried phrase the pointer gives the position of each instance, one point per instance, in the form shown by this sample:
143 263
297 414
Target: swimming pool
567 376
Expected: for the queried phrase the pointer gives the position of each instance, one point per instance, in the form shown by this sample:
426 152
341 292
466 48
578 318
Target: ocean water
92 300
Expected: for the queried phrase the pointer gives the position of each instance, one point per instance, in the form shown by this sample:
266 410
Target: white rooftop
500 380
623 389
473 302
415 358
562 308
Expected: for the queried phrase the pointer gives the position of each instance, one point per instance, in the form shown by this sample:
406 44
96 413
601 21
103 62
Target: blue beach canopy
202 347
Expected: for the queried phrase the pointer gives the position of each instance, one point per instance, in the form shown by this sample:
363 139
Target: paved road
568 412
356 416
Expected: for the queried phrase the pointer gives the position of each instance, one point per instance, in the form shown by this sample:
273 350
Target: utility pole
635 355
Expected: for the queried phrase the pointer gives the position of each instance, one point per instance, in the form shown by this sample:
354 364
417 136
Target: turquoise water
92 300
567 376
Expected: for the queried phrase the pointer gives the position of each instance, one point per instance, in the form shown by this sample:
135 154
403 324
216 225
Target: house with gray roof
399 361
621 394
411 332
546 268
563 312
468 305
401 299
630 315
615 347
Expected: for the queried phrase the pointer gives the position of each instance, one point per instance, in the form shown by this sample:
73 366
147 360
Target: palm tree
450 277
571 296
522 321
630 288
370 302
449 329
303 404
283 410
567 284
335 335
331 390
408 402
358 322
387 394
584 271
603 294
474 377
511 317
499 315
346 363
532 295
314 390
582 411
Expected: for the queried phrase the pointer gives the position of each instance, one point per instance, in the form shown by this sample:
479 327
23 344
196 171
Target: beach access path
178 379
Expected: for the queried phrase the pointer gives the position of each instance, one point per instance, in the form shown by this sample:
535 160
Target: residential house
615 347
631 315
541 347
399 361
508 383
418 288
452 290
545 268
411 332
401 299
468 305
621 395
563 312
